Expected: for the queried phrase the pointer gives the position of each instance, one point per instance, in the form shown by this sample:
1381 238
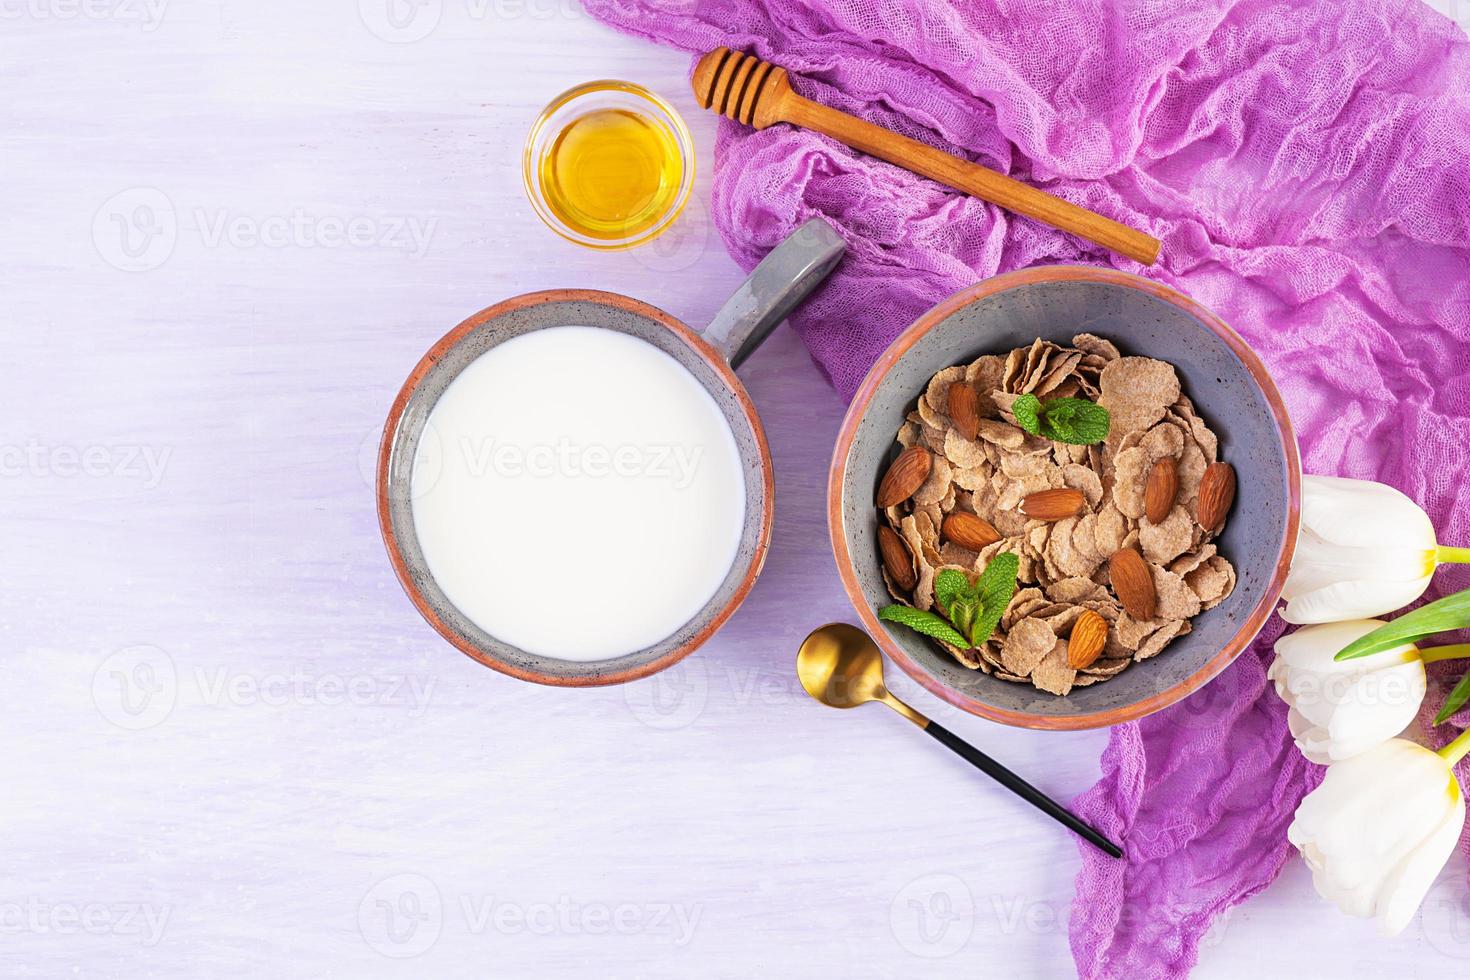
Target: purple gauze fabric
1305 164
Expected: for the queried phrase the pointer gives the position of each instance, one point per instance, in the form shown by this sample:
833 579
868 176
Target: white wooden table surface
231 747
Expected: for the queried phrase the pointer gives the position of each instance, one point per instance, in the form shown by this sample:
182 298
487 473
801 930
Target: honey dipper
757 93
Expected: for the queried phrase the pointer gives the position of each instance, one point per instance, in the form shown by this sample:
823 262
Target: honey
611 174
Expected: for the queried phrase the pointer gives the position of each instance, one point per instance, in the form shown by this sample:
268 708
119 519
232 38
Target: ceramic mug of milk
574 488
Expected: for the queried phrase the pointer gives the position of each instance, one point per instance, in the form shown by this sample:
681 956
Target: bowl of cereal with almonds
1065 498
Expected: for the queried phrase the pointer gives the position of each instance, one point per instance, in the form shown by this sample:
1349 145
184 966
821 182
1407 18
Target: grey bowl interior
405 445
1223 390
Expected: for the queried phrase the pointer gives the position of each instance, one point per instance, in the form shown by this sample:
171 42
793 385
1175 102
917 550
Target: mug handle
783 279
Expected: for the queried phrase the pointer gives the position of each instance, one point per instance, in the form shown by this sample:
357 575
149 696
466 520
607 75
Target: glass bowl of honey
608 165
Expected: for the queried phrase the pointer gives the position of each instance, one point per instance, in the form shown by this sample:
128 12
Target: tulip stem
1453 651
1447 555
1457 749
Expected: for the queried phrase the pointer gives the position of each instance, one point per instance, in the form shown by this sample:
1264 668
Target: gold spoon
841 667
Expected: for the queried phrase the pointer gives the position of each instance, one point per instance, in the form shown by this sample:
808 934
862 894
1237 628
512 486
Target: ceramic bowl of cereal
1065 498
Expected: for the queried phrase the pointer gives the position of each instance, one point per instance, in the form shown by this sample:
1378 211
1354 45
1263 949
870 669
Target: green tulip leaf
1450 613
1455 701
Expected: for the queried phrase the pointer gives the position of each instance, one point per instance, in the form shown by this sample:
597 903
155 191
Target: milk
578 494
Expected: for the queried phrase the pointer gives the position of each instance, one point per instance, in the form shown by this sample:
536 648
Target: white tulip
1340 709
1364 549
1379 829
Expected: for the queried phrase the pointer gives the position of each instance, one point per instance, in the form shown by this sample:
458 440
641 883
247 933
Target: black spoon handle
1021 788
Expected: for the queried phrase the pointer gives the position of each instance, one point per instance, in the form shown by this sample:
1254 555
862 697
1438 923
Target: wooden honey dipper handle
757 93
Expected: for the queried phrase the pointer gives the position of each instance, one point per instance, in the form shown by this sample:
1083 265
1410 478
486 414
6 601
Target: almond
896 558
1053 505
1133 582
907 474
964 409
1216 494
1161 489
1089 636
968 530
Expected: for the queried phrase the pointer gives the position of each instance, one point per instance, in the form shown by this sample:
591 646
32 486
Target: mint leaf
1074 420
927 623
996 586
1455 701
1027 410
1450 613
963 612
950 584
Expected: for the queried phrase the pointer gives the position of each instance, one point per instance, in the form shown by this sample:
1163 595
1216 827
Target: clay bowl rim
706 353
901 345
